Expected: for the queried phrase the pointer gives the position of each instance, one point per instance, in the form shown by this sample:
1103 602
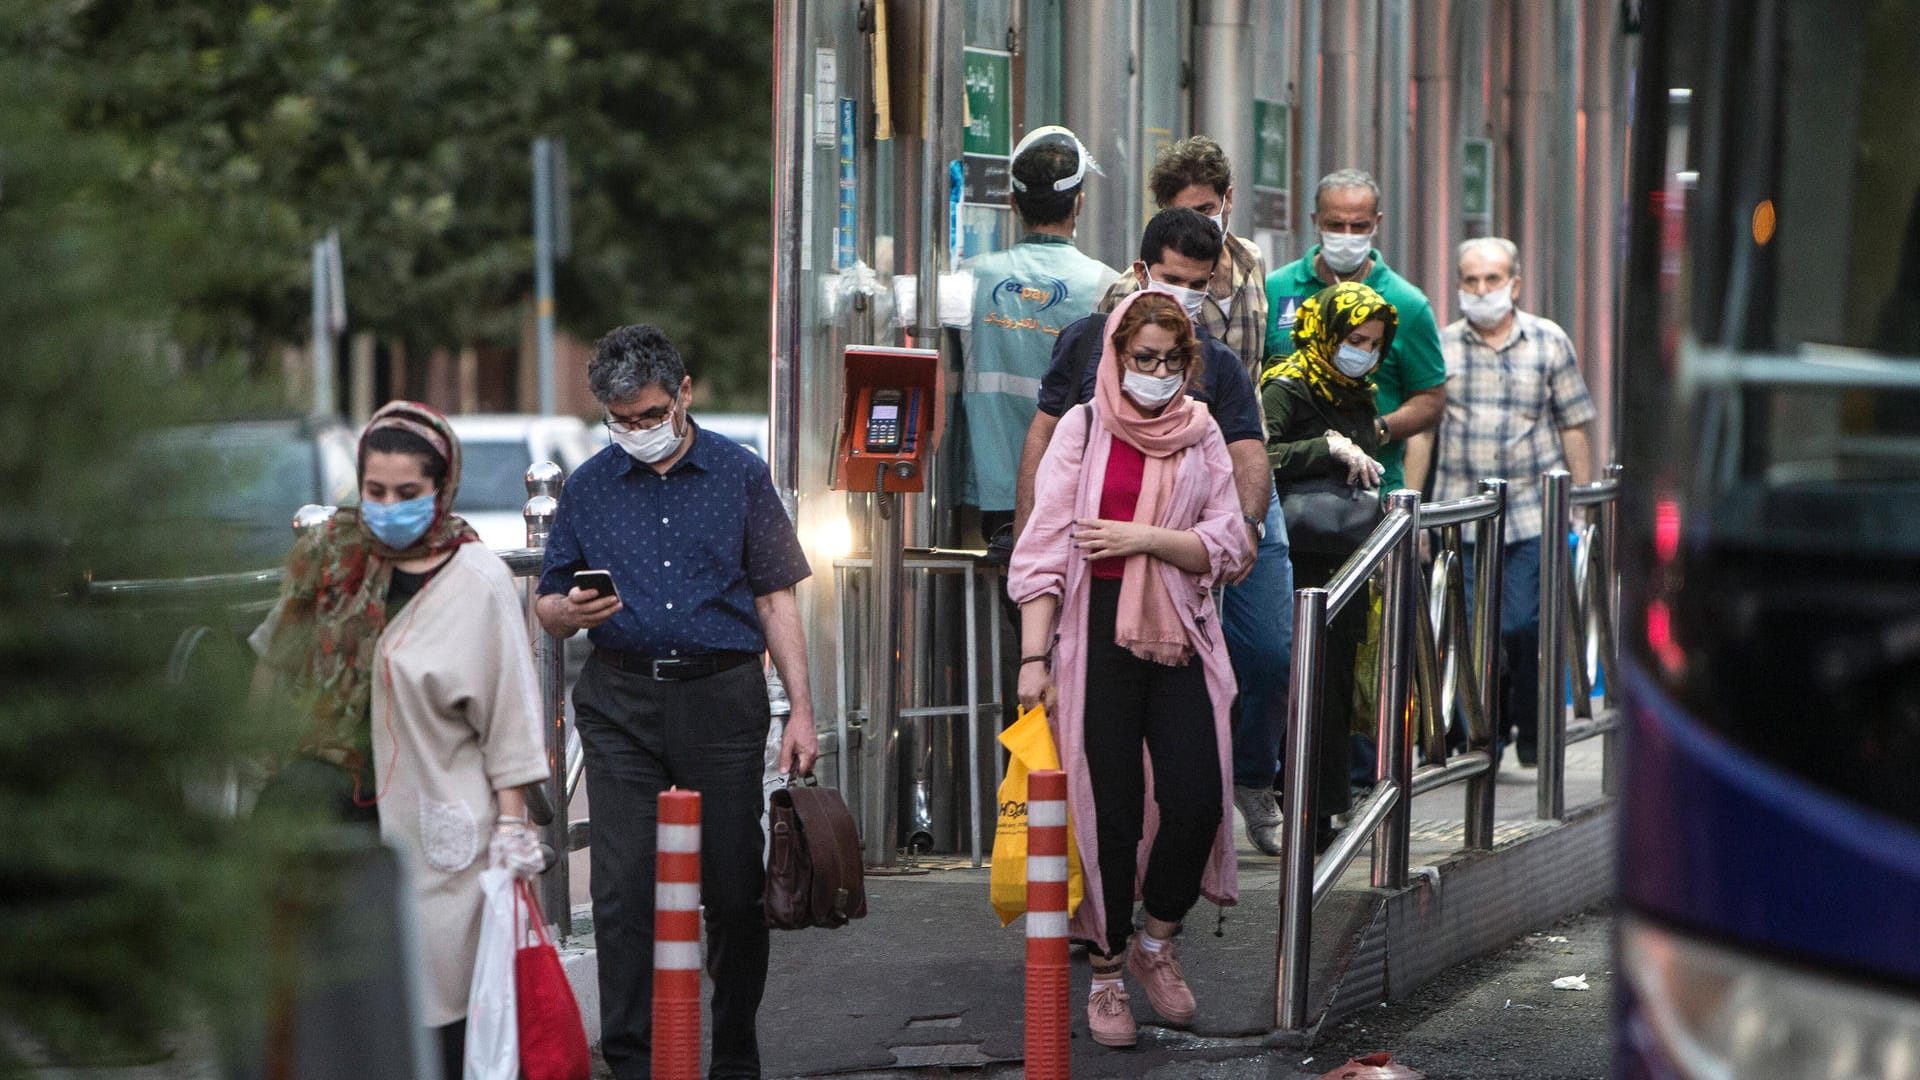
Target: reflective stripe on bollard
1049 1056
676 939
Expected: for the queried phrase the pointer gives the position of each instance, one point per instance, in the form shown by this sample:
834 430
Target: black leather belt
674 668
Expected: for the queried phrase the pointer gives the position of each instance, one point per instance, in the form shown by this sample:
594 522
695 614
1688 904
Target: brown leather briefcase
814 874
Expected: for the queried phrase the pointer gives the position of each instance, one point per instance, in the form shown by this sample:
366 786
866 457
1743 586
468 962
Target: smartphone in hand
597 582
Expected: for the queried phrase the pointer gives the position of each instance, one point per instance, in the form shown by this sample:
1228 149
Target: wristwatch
1381 429
1259 526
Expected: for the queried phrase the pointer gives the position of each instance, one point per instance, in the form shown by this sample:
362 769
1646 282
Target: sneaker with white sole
1262 814
1160 976
1110 1016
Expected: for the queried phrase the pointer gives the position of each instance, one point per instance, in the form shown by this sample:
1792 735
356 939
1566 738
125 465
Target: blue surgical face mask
1354 362
399 525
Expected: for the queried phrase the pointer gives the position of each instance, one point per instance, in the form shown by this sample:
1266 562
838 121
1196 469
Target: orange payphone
891 418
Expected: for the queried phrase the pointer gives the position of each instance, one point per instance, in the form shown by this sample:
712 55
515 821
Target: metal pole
322 348
1555 571
790 141
1307 93
1296 829
1098 83
1395 734
1600 208
543 264
1430 230
1489 583
1470 62
1531 136
931 258
1395 122
1349 88
556 889
1607 593
1223 91
879 742
1564 205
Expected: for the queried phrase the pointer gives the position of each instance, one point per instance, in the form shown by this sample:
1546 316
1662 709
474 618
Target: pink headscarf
1147 623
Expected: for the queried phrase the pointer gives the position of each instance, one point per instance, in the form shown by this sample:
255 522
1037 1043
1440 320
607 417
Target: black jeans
1131 701
453 1049
641 737
1346 633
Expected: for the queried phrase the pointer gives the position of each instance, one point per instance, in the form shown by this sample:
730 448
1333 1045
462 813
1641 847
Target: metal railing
253 590
1438 662
1579 594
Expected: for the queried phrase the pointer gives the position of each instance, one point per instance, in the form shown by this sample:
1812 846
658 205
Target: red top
1119 496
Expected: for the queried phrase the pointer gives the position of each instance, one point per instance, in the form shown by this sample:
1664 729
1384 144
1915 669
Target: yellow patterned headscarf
1319 327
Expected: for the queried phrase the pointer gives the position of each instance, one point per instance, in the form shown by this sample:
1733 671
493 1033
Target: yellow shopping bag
1030 745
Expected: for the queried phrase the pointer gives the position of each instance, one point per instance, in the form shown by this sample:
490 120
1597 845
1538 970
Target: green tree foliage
406 125
126 902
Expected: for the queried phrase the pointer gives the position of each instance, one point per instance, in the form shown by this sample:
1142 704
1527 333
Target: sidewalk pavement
930 979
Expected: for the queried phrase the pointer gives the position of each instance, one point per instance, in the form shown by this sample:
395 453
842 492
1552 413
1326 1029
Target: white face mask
1345 252
1151 391
1190 299
1487 310
1353 361
1219 221
652 445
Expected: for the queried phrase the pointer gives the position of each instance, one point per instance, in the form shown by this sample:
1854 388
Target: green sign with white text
1476 178
989 102
1272 164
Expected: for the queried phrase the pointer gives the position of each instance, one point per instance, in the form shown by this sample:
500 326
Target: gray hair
630 359
1489 245
1346 180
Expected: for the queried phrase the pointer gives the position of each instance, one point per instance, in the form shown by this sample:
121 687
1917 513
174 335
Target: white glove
1362 471
515 847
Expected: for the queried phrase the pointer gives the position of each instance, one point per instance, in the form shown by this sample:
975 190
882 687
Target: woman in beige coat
403 637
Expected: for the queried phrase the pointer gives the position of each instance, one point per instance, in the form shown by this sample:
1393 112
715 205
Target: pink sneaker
1109 1016
1159 975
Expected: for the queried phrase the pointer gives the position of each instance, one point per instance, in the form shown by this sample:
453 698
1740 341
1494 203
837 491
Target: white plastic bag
493 1033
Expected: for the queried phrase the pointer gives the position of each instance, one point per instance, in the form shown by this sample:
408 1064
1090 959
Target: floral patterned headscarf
333 606
1319 327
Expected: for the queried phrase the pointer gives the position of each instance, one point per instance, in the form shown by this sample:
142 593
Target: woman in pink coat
1135 520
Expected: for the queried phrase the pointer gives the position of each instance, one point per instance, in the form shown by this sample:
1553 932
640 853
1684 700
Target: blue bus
1770 843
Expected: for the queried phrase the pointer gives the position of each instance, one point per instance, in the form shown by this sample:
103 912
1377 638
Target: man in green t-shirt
1412 377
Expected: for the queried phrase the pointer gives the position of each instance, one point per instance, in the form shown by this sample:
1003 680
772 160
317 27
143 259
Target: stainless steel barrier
1579 594
981 579
556 885
1423 641
1438 662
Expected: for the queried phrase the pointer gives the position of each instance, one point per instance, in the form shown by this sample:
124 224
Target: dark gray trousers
642 737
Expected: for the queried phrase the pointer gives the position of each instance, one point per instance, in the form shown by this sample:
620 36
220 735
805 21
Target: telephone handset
885 428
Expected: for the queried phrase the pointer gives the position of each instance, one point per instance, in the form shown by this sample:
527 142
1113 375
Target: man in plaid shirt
1516 408
1194 173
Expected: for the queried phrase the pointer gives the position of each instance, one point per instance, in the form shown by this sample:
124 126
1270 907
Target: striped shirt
1505 410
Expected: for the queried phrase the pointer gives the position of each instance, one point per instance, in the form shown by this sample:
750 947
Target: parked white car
496 450
747 429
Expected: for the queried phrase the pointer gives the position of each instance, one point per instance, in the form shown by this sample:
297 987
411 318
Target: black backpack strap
1084 350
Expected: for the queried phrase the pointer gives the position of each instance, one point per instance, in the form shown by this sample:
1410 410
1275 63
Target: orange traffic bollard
1049 1056
676 939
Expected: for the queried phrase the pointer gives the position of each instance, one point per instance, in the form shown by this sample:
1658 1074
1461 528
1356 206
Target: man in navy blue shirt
703 559
1178 253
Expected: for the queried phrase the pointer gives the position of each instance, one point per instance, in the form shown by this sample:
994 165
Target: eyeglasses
628 427
1146 363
